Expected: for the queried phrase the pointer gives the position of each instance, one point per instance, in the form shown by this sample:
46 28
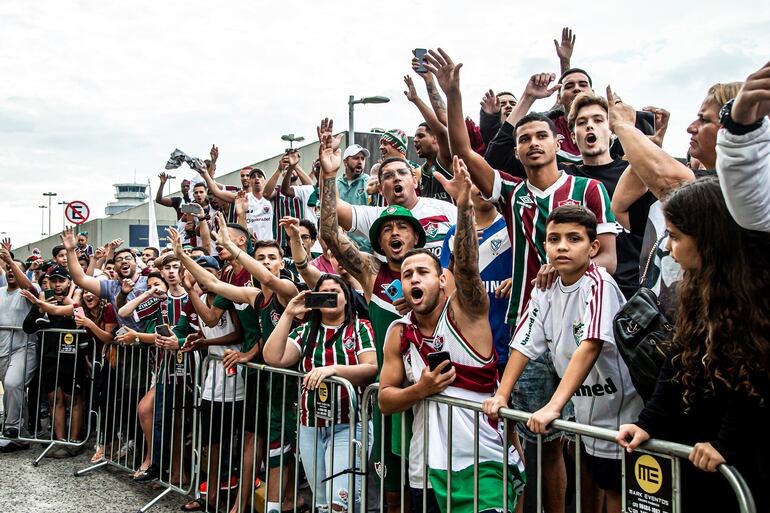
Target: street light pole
351 113
50 195
63 204
42 220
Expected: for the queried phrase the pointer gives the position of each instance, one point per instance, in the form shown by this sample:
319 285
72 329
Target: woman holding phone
332 342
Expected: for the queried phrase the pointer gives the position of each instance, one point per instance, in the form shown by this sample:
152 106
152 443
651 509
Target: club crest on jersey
438 342
496 244
577 331
265 209
381 469
524 201
568 202
275 317
431 229
349 343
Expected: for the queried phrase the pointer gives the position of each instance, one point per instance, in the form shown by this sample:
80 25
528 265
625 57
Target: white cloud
93 91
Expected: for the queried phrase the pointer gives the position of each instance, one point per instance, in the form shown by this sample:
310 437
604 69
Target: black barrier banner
649 484
323 402
67 345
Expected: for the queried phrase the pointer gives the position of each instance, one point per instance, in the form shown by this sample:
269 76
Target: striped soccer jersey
476 379
559 319
526 210
300 206
356 338
155 311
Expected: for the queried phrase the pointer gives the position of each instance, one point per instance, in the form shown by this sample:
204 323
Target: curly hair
723 329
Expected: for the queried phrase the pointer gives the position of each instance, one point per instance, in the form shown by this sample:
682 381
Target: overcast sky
92 92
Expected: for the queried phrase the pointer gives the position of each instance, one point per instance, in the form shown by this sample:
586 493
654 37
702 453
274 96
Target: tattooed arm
433 119
361 266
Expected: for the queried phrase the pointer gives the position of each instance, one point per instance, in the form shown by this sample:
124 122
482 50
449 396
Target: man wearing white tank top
259 217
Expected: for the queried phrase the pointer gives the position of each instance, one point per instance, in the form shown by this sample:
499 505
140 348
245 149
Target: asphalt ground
52 487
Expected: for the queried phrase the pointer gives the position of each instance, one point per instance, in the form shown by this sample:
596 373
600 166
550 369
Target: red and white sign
76 212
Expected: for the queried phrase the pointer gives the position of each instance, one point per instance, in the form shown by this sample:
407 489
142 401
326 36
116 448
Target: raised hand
6 244
293 159
214 153
222 236
115 244
241 202
291 225
753 101
446 71
29 296
661 124
329 156
68 238
175 240
619 112
564 50
411 92
163 178
490 103
5 255
296 306
327 129
126 286
459 185
537 87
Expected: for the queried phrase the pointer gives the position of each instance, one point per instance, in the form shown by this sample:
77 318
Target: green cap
395 212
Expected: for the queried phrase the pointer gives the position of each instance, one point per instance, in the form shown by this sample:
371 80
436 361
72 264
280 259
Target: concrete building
131 223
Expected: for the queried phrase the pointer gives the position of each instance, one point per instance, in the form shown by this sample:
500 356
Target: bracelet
239 253
302 263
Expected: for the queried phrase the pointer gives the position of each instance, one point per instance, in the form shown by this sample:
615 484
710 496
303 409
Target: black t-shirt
628 245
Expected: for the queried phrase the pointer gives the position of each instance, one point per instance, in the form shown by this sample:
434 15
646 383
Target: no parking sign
76 212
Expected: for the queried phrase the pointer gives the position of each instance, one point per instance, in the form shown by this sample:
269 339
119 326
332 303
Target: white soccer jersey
435 216
259 217
559 319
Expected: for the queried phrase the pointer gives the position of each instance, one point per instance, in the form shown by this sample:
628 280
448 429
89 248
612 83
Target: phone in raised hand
419 53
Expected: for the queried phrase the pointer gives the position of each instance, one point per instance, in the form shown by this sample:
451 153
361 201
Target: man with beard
17 350
456 325
527 204
394 232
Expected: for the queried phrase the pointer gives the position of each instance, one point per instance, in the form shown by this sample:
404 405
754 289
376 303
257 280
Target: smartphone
190 208
162 330
419 53
78 312
321 300
393 291
49 293
435 359
122 331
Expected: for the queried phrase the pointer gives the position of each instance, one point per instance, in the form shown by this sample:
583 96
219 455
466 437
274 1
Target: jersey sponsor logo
597 390
577 332
566 202
491 285
349 343
524 201
275 317
530 323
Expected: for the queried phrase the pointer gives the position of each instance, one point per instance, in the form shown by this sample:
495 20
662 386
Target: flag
152 229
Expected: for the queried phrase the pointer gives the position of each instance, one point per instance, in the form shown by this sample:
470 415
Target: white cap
355 149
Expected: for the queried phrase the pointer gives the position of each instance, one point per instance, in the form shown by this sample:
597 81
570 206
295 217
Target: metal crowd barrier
166 434
236 452
673 452
69 372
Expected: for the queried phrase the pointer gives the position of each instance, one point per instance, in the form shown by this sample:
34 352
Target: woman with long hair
332 342
714 390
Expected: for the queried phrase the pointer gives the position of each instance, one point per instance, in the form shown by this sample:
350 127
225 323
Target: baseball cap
58 271
207 261
395 212
355 149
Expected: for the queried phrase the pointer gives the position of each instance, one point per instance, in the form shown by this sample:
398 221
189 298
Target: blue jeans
336 490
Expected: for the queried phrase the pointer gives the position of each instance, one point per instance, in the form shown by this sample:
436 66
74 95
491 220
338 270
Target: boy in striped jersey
574 320
296 197
527 204
458 325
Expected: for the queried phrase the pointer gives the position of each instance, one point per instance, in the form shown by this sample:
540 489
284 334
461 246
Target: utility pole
42 220
50 195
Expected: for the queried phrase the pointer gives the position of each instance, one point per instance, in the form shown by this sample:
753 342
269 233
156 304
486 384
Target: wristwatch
726 120
136 339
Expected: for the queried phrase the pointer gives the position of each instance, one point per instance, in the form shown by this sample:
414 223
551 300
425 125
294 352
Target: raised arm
470 293
437 128
272 182
80 278
207 280
629 189
659 171
159 199
215 189
19 275
448 75
326 133
363 267
436 102
309 272
564 50
286 188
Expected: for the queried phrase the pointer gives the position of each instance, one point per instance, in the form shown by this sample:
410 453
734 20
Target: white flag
152 237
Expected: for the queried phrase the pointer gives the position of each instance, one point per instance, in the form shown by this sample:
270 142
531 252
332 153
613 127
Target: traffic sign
76 212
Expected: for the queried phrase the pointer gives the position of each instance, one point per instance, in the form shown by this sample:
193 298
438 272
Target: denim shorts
533 390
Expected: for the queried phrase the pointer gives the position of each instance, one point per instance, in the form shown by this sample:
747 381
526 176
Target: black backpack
641 330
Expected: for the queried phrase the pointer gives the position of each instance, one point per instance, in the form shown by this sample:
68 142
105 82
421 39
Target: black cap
58 271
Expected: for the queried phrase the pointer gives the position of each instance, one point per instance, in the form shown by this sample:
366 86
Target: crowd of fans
492 272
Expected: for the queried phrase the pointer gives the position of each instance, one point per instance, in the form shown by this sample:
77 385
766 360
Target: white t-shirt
259 217
435 216
559 319
216 383
13 310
